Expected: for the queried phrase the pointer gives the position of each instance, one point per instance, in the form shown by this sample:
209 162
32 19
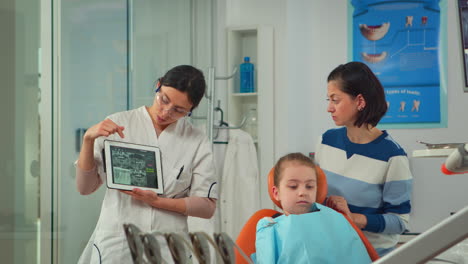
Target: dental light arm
457 161
443 235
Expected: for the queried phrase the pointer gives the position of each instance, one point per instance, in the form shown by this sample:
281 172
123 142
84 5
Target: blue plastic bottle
247 76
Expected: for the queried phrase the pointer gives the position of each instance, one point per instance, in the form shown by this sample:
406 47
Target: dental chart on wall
400 41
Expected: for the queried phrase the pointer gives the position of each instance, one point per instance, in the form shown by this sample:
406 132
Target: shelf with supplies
256 106
245 41
244 94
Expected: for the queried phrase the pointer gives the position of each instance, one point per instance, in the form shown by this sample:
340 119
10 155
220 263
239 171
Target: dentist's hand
86 162
154 200
104 128
146 196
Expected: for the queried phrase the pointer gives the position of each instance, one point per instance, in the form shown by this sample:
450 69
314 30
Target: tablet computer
131 166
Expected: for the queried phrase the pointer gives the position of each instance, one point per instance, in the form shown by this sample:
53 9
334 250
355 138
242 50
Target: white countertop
432 153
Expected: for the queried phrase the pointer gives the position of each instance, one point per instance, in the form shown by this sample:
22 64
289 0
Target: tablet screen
131 165
135 167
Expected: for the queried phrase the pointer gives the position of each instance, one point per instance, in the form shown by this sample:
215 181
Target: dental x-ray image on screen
131 166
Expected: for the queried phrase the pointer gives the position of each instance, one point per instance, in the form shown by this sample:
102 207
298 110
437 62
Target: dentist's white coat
181 144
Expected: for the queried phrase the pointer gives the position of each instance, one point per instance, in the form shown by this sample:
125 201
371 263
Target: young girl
307 232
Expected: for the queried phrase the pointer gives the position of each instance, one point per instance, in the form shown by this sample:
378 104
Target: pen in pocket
180 172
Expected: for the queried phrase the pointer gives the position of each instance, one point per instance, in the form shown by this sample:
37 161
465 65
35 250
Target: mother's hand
338 203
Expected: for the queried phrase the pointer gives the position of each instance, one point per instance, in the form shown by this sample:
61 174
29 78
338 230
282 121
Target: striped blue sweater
374 178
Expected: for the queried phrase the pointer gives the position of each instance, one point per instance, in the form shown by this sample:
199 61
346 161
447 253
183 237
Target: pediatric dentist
189 178
368 173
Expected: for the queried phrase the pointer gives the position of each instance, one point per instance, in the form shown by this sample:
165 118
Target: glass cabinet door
111 54
20 131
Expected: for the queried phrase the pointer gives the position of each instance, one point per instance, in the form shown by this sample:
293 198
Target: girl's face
297 188
342 107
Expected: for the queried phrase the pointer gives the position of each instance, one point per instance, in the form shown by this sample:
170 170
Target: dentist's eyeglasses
164 103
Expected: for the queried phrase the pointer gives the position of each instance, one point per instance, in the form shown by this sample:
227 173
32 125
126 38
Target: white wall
233 13
316 43
310 40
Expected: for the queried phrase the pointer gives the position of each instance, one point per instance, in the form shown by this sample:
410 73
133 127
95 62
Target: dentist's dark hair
187 79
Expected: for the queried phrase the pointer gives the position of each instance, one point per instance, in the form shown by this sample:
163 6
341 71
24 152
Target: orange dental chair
247 235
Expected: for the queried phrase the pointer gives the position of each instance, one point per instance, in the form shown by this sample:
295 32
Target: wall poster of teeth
401 42
463 18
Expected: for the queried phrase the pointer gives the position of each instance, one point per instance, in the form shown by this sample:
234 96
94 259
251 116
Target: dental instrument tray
435 150
441 145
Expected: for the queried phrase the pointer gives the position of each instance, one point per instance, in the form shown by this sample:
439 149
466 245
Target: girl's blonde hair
297 157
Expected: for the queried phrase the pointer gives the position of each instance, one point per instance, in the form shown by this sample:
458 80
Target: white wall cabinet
255 42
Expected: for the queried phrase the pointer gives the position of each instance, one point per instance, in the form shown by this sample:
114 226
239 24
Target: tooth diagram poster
400 42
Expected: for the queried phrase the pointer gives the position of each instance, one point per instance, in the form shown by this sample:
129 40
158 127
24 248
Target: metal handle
210 95
227 77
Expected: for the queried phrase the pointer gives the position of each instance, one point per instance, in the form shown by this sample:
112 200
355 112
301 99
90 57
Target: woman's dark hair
297 157
188 79
356 78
